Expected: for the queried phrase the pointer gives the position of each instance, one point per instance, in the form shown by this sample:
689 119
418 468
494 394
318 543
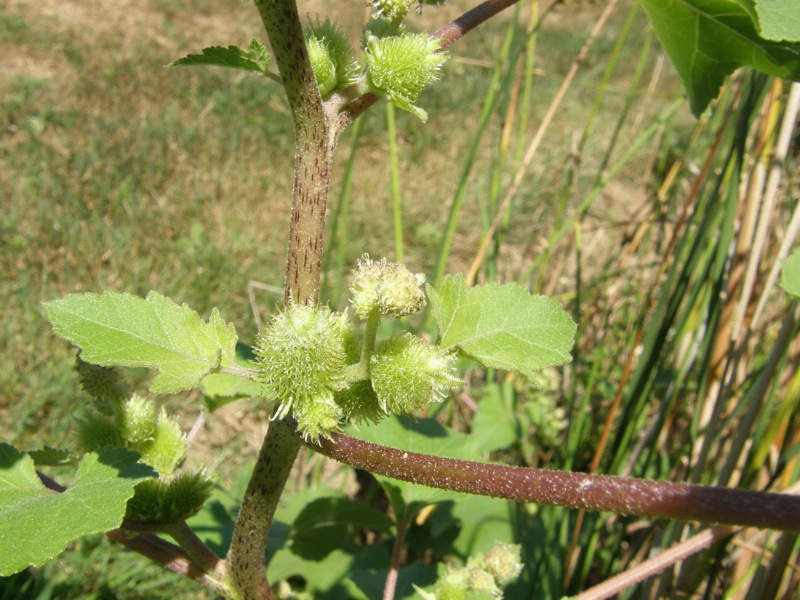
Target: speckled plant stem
314 146
317 127
621 495
245 563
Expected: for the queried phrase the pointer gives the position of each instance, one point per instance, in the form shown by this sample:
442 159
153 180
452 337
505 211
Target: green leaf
320 575
707 40
255 58
37 523
790 274
220 389
779 19
495 425
123 330
326 524
425 436
52 457
484 522
504 327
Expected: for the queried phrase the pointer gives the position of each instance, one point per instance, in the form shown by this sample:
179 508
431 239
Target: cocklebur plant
133 449
305 365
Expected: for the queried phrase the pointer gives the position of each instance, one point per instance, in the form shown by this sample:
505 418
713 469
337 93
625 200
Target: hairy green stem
314 146
370 333
245 562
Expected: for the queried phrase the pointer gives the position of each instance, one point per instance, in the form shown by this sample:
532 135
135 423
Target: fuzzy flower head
408 373
400 67
390 9
467 583
386 287
360 403
503 562
301 358
332 58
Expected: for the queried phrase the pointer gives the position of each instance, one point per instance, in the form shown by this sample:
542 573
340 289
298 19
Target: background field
117 174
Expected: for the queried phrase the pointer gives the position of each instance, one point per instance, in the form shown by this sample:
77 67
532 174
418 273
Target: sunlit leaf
37 523
790 274
707 40
123 330
779 19
504 327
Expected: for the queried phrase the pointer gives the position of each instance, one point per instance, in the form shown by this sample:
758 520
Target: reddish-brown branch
167 555
621 495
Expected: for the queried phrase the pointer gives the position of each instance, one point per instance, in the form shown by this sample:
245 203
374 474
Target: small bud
503 562
390 9
408 373
167 449
400 67
138 420
387 287
332 58
302 356
169 500
467 583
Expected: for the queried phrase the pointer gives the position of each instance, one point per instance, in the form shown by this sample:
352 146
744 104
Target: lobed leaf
37 523
503 327
123 330
254 58
707 40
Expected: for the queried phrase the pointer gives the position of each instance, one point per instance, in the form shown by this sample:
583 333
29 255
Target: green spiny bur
169 500
167 448
408 373
138 420
360 403
332 58
302 356
400 67
105 384
96 431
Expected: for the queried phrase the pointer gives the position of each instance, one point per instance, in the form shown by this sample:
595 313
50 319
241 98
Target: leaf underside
254 58
707 40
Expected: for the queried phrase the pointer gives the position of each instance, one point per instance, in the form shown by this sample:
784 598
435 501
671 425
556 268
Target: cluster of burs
122 419
397 65
322 368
